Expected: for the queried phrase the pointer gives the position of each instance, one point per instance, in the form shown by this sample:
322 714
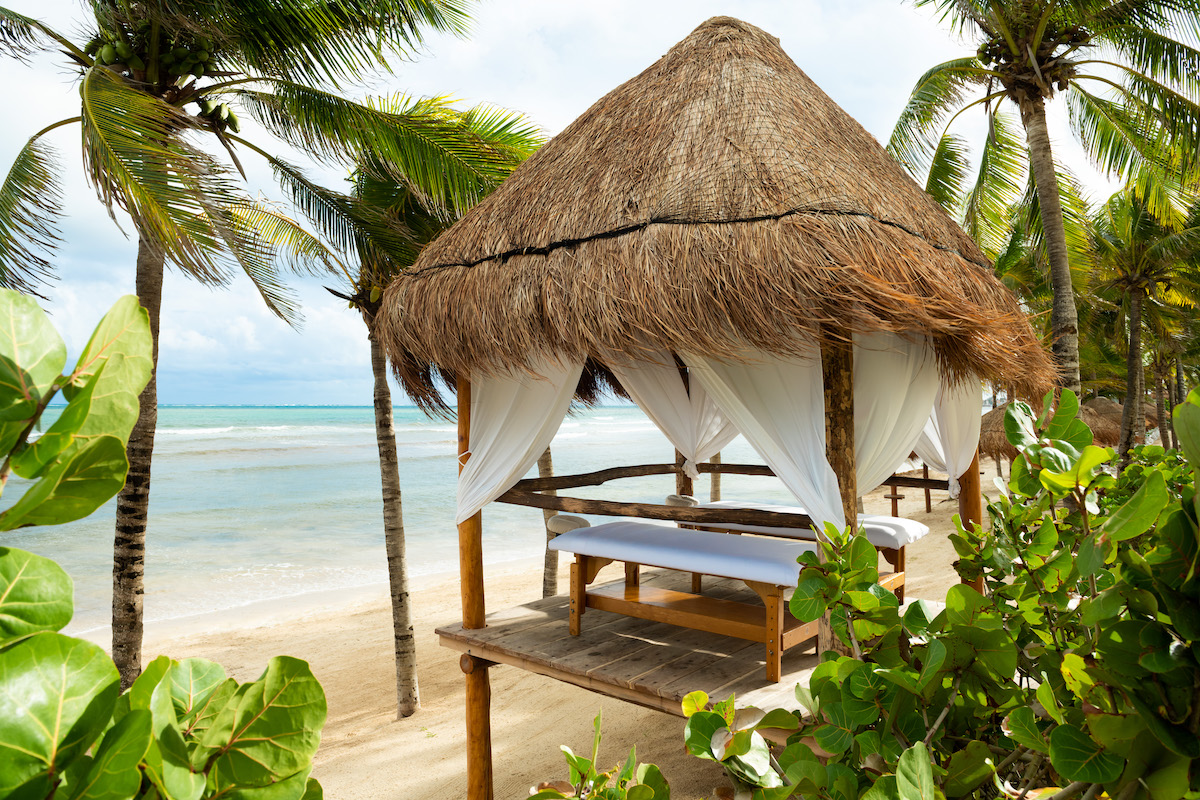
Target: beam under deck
653 664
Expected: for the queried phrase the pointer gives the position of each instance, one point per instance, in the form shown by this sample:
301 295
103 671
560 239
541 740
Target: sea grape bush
628 781
184 730
1076 673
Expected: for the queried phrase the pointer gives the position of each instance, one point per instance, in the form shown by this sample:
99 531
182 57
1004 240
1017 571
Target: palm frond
30 207
1158 57
320 40
965 17
422 142
298 251
942 89
137 159
1118 140
948 169
1076 222
1002 172
21 36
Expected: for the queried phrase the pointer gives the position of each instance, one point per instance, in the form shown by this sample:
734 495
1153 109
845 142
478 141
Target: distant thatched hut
993 442
718 209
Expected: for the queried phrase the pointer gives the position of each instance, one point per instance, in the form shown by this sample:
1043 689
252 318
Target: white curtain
951 435
778 404
687 416
895 382
513 419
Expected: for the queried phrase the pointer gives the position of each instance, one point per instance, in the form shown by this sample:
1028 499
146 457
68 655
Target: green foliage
1077 667
629 781
79 462
183 731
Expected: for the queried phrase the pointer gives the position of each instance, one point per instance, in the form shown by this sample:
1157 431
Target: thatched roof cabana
993 442
720 212
718 201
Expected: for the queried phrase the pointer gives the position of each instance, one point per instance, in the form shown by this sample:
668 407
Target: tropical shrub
1075 673
629 781
184 730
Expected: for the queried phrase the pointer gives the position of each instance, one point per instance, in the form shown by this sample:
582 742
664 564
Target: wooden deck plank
653 664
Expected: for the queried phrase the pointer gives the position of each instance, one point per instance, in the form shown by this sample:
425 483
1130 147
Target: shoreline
367 754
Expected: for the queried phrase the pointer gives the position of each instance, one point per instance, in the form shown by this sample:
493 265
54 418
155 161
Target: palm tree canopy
1130 72
157 80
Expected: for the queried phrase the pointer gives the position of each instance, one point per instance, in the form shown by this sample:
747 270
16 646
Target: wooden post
683 481
714 486
837 371
928 499
970 502
470 567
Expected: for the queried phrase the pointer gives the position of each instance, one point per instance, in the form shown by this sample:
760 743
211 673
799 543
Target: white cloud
547 58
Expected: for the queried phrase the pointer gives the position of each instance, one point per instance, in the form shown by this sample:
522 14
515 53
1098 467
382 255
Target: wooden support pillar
837 371
470 567
714 486
970 503
683 481
928 499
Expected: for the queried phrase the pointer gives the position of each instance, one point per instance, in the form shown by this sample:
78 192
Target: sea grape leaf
1140 511
1078 757
292 787
836 736
193 682
57 441
273 728
967 607
968 769
1018 425
1067 410
914 774
1023 729
1186 419
885 788
693 702
35 595
698 732
73 488
647 775
114 773
118 360
56 696
809 601
32 356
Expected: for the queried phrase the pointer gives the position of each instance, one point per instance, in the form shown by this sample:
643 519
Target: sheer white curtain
513 419
951 435
687 416
778 404
895 382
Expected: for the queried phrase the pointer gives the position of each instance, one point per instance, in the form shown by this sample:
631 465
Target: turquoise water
250 504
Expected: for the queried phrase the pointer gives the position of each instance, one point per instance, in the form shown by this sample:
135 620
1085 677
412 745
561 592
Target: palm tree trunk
550 568
408 696
1139 418
1064 319
1180 386
133 501
1173 400
1160 405
1132 409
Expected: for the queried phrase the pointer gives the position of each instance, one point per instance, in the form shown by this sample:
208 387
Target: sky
549 59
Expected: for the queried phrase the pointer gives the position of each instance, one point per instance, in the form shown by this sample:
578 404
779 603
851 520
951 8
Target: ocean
282 504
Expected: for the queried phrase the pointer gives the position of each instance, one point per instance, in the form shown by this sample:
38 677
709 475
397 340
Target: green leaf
272 729
836 736
809 601
1077 757
1018 425
969 768
698 732
1103 606
1045 696
1139 512
1067 411
293 787
650 775
193 682
967 607
1023 729
886 787
1186 419
35 595
72 489
935 657
114 773
118 358
32 355
914 774
56 696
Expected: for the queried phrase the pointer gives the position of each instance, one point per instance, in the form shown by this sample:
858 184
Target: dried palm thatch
717 202
1112 410
993 442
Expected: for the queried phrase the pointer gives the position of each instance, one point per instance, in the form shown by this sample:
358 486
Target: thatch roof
1112 410
716 202
993 442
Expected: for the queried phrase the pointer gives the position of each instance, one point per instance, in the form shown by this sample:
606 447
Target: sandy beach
366 753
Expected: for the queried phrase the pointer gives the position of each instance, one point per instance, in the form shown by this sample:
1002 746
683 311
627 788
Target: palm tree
156 78
1149 266
500 141
1031 50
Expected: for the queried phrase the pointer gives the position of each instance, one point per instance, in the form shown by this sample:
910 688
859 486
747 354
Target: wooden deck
653 664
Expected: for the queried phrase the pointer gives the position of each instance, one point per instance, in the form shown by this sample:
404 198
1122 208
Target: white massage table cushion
771 561
881 531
